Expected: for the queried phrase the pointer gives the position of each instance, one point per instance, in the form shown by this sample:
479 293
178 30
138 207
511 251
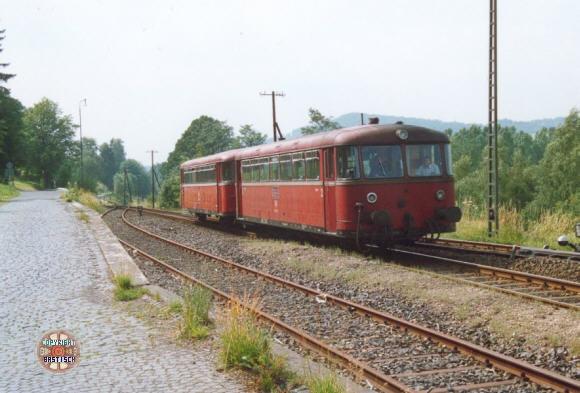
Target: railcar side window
312 165
228 171
298 164
424 160
188 177
347 162
255 170
448 159
274 168
329 160
286 167
264 169
382 162
246 171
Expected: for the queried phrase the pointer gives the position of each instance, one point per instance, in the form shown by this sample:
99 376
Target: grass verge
86 198
515 229
195 312
7 192
244 345
125 291
22 185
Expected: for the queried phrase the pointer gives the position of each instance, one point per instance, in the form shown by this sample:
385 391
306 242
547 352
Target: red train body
376 183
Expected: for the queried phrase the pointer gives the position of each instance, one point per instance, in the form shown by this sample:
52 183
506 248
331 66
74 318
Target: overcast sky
147 68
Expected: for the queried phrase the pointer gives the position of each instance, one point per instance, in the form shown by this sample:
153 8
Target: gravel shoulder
539 334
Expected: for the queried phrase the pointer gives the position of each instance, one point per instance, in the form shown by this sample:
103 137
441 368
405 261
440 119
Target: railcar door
329 191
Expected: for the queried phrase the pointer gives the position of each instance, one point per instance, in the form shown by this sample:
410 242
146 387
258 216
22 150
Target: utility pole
125 187
275 127
152 176
492 128
362 119
81 103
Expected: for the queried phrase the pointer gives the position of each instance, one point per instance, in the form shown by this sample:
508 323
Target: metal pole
125 187
362 120
152 182
495 126
84 100
492 156
152 177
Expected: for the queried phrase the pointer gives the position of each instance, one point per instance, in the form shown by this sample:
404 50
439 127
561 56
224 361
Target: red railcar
373 183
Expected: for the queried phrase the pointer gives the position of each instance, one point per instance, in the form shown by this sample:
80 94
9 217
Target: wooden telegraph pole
275 128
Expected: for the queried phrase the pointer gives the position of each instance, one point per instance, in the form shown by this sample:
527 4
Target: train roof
376 134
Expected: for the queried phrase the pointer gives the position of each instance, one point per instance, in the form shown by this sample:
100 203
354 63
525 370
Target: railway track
502 250
393 354
548 290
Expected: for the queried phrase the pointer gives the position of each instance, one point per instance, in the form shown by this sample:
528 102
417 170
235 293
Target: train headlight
372 197
402 134
440 195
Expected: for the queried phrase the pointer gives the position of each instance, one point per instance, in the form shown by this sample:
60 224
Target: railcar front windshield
424 160
382 162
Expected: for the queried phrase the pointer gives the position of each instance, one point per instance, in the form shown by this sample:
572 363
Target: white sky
147 68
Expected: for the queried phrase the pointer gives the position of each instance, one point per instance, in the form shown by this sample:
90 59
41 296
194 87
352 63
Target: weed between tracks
195 322
246 346
125 291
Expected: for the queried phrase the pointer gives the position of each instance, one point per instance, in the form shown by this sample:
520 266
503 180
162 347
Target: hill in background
353 119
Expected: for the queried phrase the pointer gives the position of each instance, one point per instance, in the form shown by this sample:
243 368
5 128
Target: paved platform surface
54 277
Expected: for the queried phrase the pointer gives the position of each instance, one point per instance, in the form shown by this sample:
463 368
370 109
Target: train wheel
201 217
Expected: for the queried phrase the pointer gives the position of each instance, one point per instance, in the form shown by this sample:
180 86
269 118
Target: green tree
250 137
559 183
11 136
137 178
205 135
49 139
11 139
318 123
170 192
92 165
112 155
3 76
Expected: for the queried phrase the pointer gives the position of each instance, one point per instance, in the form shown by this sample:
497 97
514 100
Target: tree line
537 172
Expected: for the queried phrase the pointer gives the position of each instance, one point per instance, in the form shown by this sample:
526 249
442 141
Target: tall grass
514 227
195 313
246 346
86 198
328 383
